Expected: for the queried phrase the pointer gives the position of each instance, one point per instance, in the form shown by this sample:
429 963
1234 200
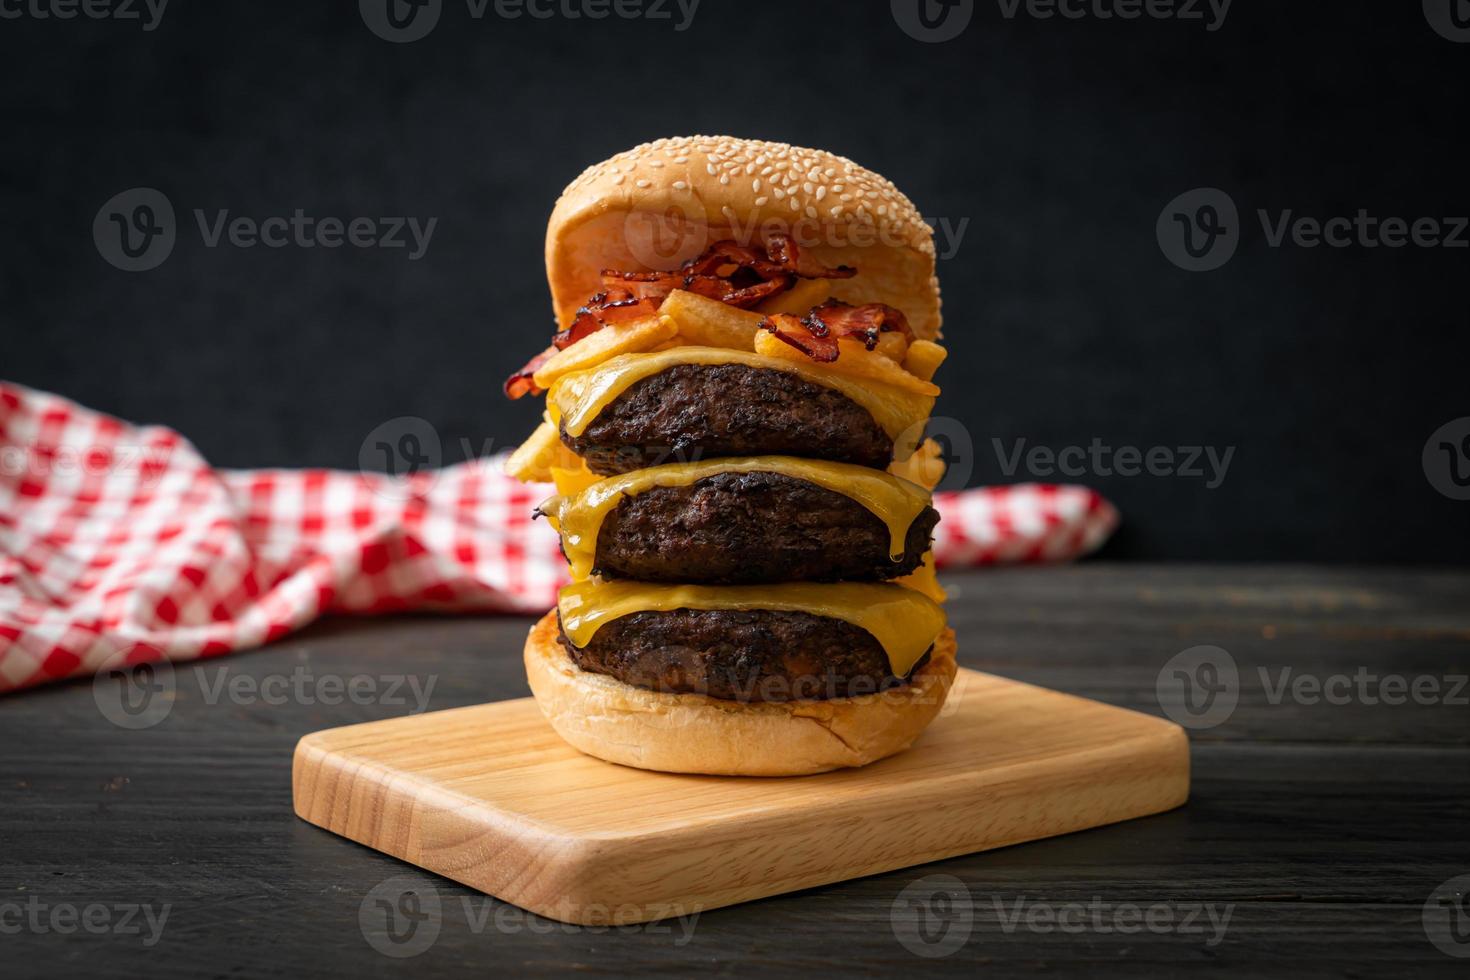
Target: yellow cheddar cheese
576 399
579 516
903 621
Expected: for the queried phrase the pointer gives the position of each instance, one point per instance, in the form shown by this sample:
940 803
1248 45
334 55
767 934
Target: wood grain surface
491 797
1324 828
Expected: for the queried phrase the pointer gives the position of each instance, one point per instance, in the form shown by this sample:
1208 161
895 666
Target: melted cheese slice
904 622
579 518
576 399
924 579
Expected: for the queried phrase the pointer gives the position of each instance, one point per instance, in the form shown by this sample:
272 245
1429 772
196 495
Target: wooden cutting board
491 797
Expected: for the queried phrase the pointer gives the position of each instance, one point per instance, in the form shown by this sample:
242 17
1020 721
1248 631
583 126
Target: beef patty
699 411
756 655
747 528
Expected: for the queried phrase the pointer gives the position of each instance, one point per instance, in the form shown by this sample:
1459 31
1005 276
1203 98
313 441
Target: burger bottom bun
692 733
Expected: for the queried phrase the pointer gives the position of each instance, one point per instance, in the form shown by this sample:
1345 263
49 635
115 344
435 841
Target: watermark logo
1362 230
933 21
1211 12
1446 917
135 230
1449 18
143 695
134 696
661 240
1104 918
304 687
403 21
145 464
404 447
1207 463
956 449
677 923
401 917
1363 686
1199 687
1446 459
400 21
148 13
1199 230
39 918
933 917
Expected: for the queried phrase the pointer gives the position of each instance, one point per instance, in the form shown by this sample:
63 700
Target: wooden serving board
490 796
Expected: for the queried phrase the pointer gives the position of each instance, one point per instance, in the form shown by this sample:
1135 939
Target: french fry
924 358
853 359
532 462
572 480
610 341
925 466
670 344
799 299
706 322
894 346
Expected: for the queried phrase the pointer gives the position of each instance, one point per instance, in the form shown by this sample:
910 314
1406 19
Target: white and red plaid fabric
120 542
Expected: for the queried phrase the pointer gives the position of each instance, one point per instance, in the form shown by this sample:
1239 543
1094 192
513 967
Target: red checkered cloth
120 544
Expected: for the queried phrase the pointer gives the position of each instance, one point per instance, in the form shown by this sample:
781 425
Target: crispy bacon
738 275
782 258
817 333
864 323
642 285
612 306
732 294
787 255
819 346
731 257
522 383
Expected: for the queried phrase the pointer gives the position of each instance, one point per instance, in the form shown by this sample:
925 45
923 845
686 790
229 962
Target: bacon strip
522 383
612 306
739 275
785 253
864 323
817 333
814 343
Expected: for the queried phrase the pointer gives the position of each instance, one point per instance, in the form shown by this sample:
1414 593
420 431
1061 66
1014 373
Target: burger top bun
659 204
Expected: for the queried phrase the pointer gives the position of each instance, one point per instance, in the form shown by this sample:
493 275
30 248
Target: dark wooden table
1322 828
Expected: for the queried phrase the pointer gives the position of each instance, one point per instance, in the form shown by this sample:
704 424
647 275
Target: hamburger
736 396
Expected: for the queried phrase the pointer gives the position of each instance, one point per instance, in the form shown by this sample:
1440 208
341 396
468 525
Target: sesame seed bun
692 733
656 205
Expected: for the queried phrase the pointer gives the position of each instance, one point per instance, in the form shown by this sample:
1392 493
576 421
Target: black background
1059 140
